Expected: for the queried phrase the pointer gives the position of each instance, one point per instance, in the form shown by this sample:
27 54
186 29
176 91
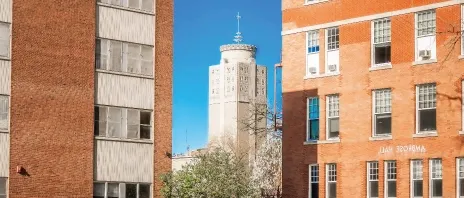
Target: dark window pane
418 188
382 53
2 186
374 189
314 190
98 190
131 190
437 189
332 190
96 113
333 127
113 190
461 187
314 129
145 117
383 124
144 190
145 132
391 188
428 120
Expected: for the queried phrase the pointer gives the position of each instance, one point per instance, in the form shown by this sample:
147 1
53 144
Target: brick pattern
163 91
52 98
354 85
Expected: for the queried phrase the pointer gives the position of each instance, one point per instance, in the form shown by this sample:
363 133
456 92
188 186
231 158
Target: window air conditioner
333 68
425 54
312 70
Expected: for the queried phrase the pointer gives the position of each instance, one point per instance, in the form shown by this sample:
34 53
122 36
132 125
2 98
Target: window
373 179
313 41
426 24
4 40
314 181
416 175
145 5
426 108
313 119
122 123
332 38
127 190
124 57
436 176
333 117
382 41
460 177
382 112
390 179
426 35
3 187
4 105
332 62
312 55
331 179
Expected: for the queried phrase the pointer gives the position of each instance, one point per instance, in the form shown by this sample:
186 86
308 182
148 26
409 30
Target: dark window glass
418 188
383 124
131 190
374 189
437 188
428 120
314 190
332 190
382 53
391 188
144 190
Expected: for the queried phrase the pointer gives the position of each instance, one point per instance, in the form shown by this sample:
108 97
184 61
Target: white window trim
326 51
308 2
308 123
308 74
411 175
462 108
368 178
327 178
8 57
9 115
430 176
310 179
418 132
119 187
458 187
327 113
416 51
386 180
126 7
374 136
382 65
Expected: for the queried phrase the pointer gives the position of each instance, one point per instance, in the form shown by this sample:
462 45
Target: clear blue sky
200 27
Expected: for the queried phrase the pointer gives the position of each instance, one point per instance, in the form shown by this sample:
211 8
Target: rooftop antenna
238 35
186 142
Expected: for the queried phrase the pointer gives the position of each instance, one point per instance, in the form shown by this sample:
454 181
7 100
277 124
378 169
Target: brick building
372 98
78 85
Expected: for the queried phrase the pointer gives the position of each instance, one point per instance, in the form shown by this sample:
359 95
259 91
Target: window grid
313 118
391 171
373 171
314 173
460 177
382 101
427 96
426 23
313 41
333 104
382 31
109 123
115 189
4 106
331 173
436 175
332 38
436 171
417 169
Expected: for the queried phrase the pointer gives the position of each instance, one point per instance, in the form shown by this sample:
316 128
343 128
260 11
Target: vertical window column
426 36
373 179
426 108
314 181
331 180
417 187
382 112
390 179
4 40
312 54
3 187
4 111
332 50
333 116
381 42
313 119
460 177
436 177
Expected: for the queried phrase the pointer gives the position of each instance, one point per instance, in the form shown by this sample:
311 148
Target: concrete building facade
79 81
372 98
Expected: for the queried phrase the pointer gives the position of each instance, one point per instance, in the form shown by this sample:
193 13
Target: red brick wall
354 85
52 98
163 90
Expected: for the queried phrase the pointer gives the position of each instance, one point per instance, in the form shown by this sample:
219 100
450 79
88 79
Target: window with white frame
436 178
312 53
115 190
3 187
426 35
124 57
460 177
314 181
462 29
145 5
4 40
333 116
382 112
381 41
417 179
4 106
426 108
373 179
115 122
313 1
332 50
390 179
331 179
312 129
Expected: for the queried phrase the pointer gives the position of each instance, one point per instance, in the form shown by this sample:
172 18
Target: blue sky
200 27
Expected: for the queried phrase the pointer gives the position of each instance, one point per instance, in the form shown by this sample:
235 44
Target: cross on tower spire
238 36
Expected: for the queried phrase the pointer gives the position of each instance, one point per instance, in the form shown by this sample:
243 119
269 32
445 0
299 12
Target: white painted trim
380 67
380 138
428 134
423 62
124 140
417 110
309 178
373 114
372 17
322 75
314 2
307 120
126 8
123 74
456 169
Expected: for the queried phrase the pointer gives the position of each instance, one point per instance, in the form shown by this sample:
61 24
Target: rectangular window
312 53
3 187
4 106
390 179
145 5
460 177
436 177
382 112
313 41
333 116
313 119
373 179
426 36
417 180
331 179
314 181
4 40
426 23
115 190
122 123
332 38
426 118
382 41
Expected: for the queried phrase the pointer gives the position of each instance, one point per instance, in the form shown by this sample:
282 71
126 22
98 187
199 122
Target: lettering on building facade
403 149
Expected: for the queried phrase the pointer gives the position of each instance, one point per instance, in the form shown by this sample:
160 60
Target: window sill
330 141
461 56
4 131
123 74
425 134
310 142
5 58
461 132
380 67
380 138
124 140
125 8
423 62
321 75
315 2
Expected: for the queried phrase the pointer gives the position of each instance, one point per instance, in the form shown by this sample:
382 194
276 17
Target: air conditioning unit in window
332 68
312 70
425 54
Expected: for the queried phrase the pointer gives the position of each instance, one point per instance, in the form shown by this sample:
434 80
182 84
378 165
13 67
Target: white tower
237 86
